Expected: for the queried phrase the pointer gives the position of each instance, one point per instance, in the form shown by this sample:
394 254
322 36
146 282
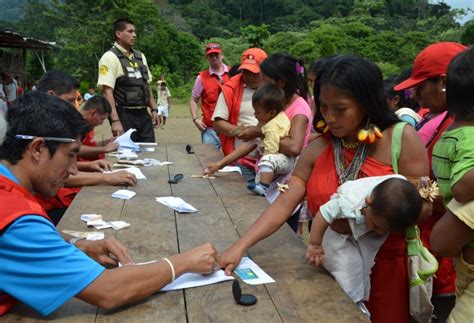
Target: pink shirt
428 129
300 106
197 88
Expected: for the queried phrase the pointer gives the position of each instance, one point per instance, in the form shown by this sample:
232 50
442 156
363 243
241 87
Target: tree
255 35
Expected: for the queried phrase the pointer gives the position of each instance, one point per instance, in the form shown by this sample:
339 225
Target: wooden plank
151 236
215 303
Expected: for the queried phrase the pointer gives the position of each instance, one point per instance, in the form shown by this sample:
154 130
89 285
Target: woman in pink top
287 73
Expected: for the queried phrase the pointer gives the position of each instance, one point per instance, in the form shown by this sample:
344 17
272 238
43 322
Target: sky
463 4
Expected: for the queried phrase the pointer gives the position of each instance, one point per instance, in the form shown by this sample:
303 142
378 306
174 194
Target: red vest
211 91
15 202
90 141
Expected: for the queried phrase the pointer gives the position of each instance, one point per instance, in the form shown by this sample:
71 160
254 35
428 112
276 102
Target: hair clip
299 68
28 137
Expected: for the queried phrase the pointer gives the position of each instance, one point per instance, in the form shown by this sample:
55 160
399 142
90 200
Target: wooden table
301 292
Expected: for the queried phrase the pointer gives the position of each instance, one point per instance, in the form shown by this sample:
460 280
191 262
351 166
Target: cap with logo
251 59
212 48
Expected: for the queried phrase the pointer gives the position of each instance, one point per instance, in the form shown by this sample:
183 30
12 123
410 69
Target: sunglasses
213 46
28 137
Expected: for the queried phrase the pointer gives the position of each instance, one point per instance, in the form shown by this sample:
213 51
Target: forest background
173 33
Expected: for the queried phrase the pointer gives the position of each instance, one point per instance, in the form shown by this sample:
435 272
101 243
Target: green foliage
467 36
255 35
389 69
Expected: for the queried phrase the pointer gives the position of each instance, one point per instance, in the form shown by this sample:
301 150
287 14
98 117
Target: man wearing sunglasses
207 88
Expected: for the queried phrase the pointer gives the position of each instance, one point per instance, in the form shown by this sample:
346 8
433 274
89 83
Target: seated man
38 266
94 112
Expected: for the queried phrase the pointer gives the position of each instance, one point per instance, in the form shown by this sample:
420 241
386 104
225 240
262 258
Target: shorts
163 110
463 311
463 211
279 163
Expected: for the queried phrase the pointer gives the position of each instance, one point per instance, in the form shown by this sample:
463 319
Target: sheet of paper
119 225
124 141
177 204
251 273
194 280
147 143
93 236
91 217
229 169
132 170
123 194
150 149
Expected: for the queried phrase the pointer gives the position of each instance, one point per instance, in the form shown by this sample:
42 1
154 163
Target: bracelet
173 274
116 120
195 118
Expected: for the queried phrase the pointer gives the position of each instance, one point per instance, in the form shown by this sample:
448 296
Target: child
453 165
374 206
163 101
268 102
397 102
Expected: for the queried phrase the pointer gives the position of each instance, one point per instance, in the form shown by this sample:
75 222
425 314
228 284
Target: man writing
125 80
207 88
39 267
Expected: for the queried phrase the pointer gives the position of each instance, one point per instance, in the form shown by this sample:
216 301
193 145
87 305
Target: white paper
124 194
127 154
124 141
91 217
132 170
119 225
155 162
150 149
251 273
93 236
177 204
147 143
190 280
229 169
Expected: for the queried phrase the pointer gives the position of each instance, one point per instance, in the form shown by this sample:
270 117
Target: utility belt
133 108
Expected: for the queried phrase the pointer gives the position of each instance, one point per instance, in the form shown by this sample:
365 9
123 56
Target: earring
443 90
369 134
322 126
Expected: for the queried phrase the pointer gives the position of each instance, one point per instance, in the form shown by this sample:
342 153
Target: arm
243 150
315 252
91 179
129 284
278 212
152 105
115 123
98 165
463 190
450 235
193 108
93 152
293 144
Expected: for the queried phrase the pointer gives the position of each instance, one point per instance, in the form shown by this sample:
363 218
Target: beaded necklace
352 171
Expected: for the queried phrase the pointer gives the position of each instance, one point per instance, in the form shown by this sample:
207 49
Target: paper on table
124 141
119 225
91 217
123 194
151 149
132 170
155 162
88 235
194 280
177 204
147 143
229 169
251 273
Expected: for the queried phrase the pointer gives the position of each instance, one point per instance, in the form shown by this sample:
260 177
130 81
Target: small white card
177 204
119 225
91 217
251 273
124 194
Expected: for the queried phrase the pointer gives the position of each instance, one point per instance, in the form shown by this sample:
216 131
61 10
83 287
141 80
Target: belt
134 108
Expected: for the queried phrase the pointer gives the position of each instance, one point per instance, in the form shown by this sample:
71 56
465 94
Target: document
251 273
194 280
177 204
123 194
229 169
124 141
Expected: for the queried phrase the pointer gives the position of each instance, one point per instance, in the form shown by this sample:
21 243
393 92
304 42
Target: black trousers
138 119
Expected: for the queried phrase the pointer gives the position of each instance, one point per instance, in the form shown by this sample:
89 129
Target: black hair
40 115
120 24
58 82
286 68
460 86
98 102
317 65
269 97
361 79
399 201
390 92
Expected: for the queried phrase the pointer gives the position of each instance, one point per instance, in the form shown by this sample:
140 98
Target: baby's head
393 206
268 100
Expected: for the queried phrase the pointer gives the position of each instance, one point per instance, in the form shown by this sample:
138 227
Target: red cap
251 59
212 48
431 62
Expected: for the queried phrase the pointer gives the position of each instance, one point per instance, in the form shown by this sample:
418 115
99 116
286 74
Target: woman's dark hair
390 92
408 97
40 115
399 201
286 68
360 79
269 97
460 86
317 65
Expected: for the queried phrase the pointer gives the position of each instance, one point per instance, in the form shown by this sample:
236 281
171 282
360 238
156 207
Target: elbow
294 151
111 300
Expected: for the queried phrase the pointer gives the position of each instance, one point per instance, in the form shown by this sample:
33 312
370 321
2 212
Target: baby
374 206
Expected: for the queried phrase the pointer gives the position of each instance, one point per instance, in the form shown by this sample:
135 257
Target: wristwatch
154 110
75 240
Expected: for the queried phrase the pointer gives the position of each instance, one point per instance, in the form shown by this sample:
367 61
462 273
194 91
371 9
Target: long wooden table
301 292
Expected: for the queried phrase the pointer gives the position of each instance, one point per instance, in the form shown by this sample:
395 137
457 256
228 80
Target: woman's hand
212 168
230 259
202 259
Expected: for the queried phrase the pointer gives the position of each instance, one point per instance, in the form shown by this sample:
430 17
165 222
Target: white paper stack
229 169
194 280
124 194
93 236
96 221
177 204
124 141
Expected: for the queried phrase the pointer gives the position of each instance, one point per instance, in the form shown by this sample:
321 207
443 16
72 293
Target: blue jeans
209 136
247 173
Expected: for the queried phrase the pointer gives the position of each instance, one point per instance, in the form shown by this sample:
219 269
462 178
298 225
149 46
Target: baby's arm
243 150
271 143
315 252
463 190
